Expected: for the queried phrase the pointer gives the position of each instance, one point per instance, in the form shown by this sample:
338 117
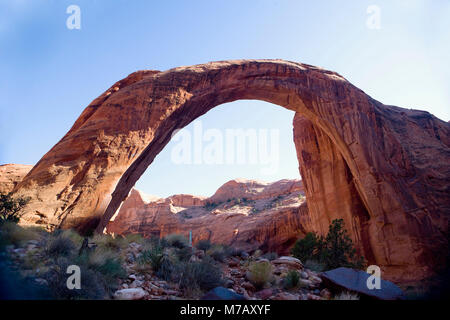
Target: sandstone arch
383 168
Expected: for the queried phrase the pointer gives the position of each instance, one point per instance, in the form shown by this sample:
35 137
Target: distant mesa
245 214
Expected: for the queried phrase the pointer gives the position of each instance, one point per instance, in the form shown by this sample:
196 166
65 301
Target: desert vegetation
334 250
133 267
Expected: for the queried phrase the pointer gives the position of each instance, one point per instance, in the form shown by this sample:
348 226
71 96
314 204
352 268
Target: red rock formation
383 168
11 175
245 214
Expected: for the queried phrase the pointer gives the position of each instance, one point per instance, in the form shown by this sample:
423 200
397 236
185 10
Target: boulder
356 281
290 262
130 294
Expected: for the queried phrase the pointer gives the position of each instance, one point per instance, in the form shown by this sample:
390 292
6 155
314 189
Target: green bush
106 262
134 237
166 268
260 273
74 236
59 245
106 241
10 208
203 245
177 241
291 280
334 251
338 250
153 257
93 284
184 254
211 205
203 275
218 253
12 233
306 248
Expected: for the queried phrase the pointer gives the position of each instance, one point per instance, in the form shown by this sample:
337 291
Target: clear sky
50 73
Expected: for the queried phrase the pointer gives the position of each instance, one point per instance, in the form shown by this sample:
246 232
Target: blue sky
49 73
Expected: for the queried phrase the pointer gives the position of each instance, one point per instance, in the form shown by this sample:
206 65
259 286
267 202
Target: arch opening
355 213
271 182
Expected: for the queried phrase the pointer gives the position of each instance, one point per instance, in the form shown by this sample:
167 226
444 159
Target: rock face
384 169
246 214
11 175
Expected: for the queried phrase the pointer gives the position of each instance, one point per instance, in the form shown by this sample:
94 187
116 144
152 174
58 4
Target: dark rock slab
356 281
221 293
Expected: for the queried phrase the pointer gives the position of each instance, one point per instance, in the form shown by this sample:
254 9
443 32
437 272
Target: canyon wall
244 214
11 174
384 169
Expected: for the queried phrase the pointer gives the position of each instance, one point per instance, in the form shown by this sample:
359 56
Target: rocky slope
244 214
11 175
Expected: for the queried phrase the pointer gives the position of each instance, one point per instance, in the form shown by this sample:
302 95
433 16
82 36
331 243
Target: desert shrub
10 208
177 241
59 245
153 257
314 265
291 280
33 260
338 250
106 262
334 251
156 241
260 273
166 267
203 275
346 296
106 241
235 252
184 254
270 256
305 249
211 205
134 237
11 233
257 254
76 238
93 284
203 245
218 252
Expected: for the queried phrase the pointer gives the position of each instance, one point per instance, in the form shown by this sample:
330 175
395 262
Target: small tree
304 249
339 250
335 250
10 208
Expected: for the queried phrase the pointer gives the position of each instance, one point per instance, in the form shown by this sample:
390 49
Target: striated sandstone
385 169
11 175
248 215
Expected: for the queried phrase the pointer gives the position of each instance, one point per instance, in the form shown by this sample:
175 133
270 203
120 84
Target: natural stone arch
355 154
